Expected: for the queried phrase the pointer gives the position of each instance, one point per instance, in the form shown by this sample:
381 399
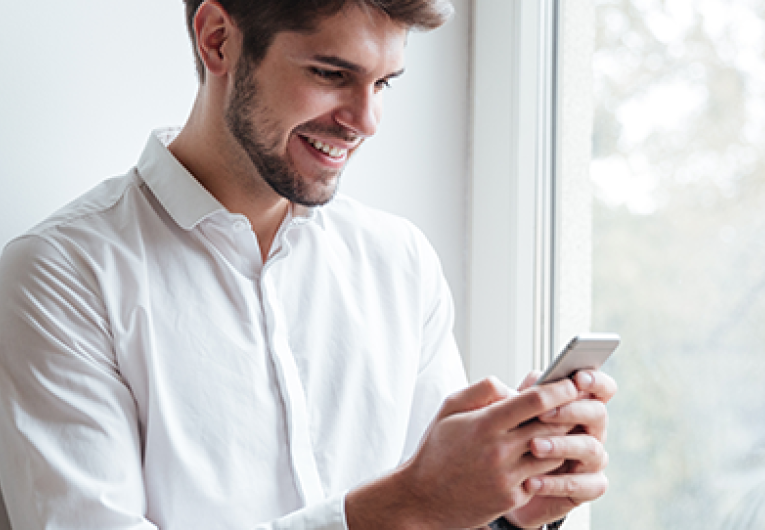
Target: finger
596 383
576 488
590 414
530 403
584 449
531 430
572 467
476 396
530 466
529 380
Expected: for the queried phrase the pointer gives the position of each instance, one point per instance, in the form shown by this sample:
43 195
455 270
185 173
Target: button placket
293 394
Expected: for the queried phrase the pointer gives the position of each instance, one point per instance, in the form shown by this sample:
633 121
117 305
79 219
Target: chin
317 199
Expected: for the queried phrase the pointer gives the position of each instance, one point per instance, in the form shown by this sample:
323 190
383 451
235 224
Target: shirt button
240 226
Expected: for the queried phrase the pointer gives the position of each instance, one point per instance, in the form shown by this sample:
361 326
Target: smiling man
217 340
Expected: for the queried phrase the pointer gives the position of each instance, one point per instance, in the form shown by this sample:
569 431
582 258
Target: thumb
476 396
530 379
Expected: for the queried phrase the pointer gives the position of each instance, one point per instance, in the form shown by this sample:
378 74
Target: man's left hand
581 478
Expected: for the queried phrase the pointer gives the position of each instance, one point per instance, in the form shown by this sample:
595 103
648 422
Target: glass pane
679 259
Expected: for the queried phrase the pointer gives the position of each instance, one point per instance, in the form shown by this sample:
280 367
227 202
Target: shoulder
60 244
94 207
29 256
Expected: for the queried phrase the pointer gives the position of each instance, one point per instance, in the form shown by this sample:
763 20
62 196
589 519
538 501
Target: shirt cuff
326 515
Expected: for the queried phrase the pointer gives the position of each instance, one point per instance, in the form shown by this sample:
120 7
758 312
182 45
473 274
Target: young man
212 341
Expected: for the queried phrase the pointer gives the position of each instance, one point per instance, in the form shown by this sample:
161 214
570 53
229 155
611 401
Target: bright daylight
679 178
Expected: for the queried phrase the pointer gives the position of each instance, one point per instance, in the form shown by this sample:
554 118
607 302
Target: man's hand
473 463
532 455
581 478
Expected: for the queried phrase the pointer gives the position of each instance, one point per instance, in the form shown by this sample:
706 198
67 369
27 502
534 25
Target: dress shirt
155 373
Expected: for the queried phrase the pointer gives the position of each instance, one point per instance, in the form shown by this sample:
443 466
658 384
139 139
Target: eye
382 83
328 75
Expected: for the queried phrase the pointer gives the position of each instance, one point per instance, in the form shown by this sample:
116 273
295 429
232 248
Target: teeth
334 152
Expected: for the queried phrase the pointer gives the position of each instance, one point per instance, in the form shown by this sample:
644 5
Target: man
211 341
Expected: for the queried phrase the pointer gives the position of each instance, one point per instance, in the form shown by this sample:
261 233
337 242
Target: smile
329 150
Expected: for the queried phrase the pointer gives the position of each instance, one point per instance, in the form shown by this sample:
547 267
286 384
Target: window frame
515 155
530 211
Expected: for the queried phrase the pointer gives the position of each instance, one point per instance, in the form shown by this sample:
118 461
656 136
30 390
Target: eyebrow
333 60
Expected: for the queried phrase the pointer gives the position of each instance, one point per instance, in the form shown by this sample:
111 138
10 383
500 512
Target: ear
218 38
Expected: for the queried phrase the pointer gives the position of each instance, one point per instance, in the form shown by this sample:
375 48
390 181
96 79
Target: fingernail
543 446
534 484
584 379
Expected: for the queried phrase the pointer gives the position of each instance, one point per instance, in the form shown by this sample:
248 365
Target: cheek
293 102
304 106
313 105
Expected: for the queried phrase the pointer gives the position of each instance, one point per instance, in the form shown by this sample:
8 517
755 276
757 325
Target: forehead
366 38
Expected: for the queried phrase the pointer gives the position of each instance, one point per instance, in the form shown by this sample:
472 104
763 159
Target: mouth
332 151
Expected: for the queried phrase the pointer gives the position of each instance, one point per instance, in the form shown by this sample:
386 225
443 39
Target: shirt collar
184 198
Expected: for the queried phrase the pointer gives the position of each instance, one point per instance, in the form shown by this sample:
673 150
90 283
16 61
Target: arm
485 455
448 480
72 444
68 426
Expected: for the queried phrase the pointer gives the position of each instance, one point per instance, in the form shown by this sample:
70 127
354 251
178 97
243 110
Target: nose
361 111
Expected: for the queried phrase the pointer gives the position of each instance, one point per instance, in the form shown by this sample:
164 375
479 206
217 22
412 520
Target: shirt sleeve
69 428
441 371
71 450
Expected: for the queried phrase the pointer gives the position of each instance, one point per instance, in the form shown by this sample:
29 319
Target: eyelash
329 75
337 75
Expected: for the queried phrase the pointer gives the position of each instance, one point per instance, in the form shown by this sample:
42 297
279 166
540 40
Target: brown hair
261 20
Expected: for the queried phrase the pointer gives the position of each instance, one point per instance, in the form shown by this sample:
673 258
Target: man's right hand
472 463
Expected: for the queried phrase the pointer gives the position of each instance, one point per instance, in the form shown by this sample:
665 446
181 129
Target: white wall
85 81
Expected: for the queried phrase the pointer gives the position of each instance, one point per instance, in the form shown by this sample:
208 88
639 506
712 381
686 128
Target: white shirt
154 373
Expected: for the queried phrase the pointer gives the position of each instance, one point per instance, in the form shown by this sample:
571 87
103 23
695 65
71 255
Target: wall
84 82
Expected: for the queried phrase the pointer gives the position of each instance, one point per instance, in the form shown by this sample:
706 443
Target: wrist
388 502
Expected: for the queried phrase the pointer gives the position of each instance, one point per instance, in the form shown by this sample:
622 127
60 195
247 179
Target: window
530 272
658 192
679 266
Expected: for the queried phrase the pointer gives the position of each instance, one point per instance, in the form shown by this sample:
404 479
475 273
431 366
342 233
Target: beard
247 121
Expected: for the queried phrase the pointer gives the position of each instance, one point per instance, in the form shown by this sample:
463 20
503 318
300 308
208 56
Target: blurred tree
679 268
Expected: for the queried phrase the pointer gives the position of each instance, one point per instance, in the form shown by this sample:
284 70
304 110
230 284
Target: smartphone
587 351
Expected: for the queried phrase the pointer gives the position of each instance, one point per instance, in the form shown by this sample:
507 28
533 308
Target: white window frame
530 218
513 236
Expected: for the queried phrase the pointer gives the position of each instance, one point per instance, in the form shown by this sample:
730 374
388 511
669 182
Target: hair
261 20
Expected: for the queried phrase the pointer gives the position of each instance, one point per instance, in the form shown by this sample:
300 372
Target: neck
207 150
